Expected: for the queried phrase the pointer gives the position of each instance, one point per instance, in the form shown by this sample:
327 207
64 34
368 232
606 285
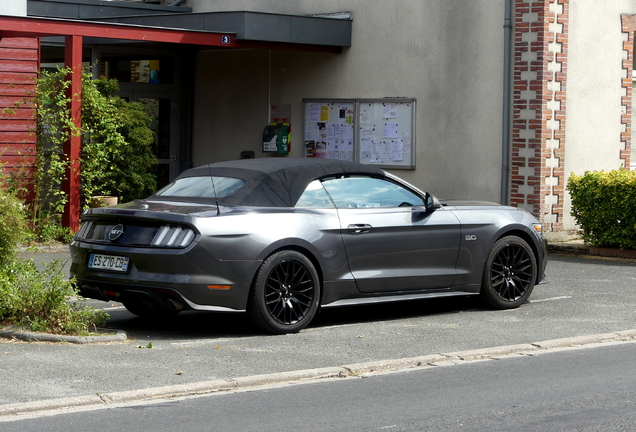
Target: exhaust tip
175 304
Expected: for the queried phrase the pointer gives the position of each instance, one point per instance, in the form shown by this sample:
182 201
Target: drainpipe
506 118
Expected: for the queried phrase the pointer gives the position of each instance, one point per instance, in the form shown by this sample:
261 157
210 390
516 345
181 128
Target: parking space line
550 299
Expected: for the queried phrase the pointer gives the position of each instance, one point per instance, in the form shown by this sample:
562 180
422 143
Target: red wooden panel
18 54
20 113
18 66
23 90
16 137
20 42
17 161
13 125
15 101
18 77
17 149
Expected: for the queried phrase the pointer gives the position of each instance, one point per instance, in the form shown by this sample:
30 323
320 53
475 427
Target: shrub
12 223
604 206
39 300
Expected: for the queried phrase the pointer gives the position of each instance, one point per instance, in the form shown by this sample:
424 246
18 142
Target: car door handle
359 228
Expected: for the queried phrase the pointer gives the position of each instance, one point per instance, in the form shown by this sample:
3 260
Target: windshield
202 187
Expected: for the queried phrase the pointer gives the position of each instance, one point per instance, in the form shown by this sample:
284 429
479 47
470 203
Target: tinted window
315 196
369 192
202 187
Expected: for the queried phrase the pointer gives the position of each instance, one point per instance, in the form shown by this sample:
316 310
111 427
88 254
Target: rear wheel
285 294
509 273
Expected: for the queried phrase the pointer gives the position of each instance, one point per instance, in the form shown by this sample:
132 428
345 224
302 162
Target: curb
28 336
347 371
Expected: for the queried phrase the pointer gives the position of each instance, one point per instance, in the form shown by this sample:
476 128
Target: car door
392 242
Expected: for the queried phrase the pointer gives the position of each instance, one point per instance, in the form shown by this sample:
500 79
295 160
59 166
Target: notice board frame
383 130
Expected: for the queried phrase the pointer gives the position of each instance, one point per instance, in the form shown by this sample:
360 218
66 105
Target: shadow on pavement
210 325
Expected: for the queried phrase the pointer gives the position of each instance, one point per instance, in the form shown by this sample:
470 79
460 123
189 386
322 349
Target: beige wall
447 54
13 7
594 91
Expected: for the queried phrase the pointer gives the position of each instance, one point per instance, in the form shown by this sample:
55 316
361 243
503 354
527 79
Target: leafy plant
117 155
39 300
12 222
33 298
604 206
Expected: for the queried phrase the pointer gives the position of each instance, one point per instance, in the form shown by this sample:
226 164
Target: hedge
604 206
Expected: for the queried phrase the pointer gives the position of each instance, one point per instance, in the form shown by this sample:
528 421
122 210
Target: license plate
108 262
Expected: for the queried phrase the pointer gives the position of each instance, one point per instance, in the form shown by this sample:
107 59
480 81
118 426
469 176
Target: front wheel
509 273
285 294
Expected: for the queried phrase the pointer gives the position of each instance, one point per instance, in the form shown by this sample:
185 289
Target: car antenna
218 210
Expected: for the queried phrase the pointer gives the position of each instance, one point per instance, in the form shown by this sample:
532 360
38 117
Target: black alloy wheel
509 274
285 294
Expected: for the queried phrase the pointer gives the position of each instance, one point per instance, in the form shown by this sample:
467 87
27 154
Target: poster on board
329 130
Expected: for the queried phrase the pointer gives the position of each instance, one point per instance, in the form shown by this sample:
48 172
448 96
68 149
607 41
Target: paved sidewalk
201 352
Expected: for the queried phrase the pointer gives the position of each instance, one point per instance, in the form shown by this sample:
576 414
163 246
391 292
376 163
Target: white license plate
108 262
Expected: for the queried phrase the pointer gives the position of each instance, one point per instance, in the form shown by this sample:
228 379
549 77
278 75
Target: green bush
38 300
12 224
117 156
604 206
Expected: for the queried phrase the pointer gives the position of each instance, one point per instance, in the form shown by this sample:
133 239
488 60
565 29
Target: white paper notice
390 130
389 110
366 148
314 112
397 153
367 133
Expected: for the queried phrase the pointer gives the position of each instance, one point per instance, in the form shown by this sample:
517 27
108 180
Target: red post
71 185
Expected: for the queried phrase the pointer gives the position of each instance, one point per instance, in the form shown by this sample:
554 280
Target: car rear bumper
188 278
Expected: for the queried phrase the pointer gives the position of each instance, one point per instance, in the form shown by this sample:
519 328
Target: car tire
285 293
144 311
510 273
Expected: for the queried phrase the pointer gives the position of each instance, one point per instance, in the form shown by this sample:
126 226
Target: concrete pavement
200 353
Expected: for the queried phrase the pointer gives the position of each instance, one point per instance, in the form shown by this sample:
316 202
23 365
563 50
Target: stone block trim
628 23
539 108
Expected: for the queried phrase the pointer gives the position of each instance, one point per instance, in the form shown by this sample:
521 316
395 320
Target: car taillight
84 229
172 236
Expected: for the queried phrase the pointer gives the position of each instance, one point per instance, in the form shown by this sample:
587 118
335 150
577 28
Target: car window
201 187
315 196
369 192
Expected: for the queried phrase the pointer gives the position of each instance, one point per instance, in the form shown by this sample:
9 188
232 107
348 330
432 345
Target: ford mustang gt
279 238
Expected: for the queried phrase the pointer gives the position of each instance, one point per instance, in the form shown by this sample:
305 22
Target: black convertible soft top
276 182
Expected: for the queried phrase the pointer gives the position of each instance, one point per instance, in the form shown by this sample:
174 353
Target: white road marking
550 299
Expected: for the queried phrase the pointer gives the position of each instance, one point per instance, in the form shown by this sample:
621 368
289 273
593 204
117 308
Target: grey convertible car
281 237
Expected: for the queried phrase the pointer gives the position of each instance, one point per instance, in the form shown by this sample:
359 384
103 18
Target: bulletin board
386 132
369 131
329 129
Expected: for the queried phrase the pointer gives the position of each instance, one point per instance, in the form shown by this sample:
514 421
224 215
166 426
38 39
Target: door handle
359 228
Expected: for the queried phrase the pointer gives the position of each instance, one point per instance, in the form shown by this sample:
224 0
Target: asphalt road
585 297
590 389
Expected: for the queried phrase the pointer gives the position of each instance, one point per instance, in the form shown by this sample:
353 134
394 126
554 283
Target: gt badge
116 232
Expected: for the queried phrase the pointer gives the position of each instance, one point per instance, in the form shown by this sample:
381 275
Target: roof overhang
12 26
255 26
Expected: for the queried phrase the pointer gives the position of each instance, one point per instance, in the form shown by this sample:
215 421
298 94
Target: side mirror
432 203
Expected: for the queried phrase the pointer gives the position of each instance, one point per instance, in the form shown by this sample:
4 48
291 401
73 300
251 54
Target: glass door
162 109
